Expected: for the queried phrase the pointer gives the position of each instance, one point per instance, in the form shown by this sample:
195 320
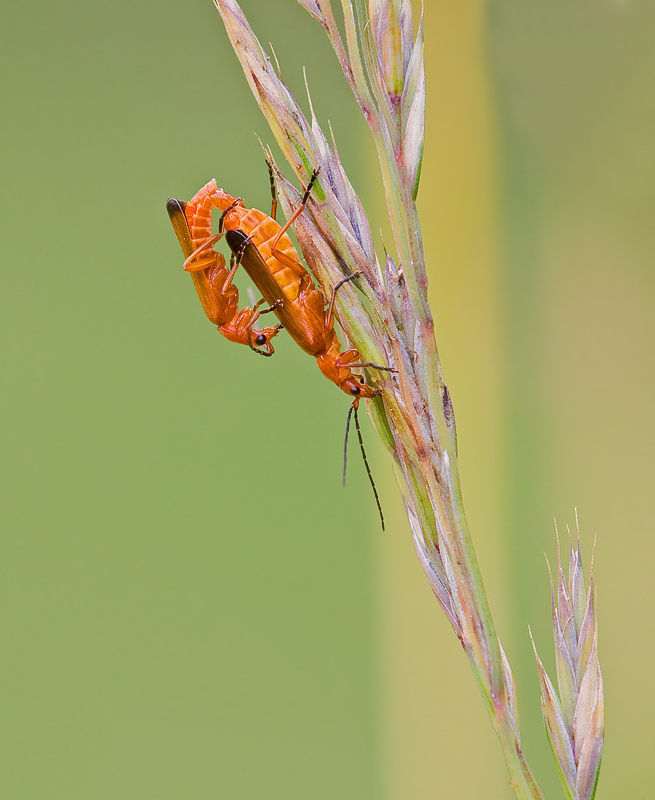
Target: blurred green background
192 607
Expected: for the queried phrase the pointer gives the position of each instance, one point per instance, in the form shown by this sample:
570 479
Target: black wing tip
175 206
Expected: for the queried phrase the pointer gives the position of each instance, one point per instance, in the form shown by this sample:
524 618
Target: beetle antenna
353 407
345 443
368 469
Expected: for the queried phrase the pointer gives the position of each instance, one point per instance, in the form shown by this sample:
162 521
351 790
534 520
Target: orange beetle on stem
271 261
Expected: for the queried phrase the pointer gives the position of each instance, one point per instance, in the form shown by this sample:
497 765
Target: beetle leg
297 212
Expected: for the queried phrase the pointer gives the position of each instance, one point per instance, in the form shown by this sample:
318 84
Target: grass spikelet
574 718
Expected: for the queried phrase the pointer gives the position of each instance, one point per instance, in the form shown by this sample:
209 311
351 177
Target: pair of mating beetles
265 251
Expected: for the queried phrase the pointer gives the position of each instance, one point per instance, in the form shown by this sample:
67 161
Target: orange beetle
212 280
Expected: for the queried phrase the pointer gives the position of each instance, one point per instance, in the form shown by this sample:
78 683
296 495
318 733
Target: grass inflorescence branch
385 314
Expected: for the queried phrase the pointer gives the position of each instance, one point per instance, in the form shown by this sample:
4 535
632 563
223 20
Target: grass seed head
574 716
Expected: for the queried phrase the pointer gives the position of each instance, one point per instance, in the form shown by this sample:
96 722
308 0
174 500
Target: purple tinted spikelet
575 717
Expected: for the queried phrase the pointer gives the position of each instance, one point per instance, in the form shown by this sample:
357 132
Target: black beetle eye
260 339
355 390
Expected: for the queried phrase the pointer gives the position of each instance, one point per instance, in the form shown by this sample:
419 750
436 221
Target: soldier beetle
212 280
273 264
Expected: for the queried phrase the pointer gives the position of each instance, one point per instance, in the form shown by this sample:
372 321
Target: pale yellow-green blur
538 200
438 740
